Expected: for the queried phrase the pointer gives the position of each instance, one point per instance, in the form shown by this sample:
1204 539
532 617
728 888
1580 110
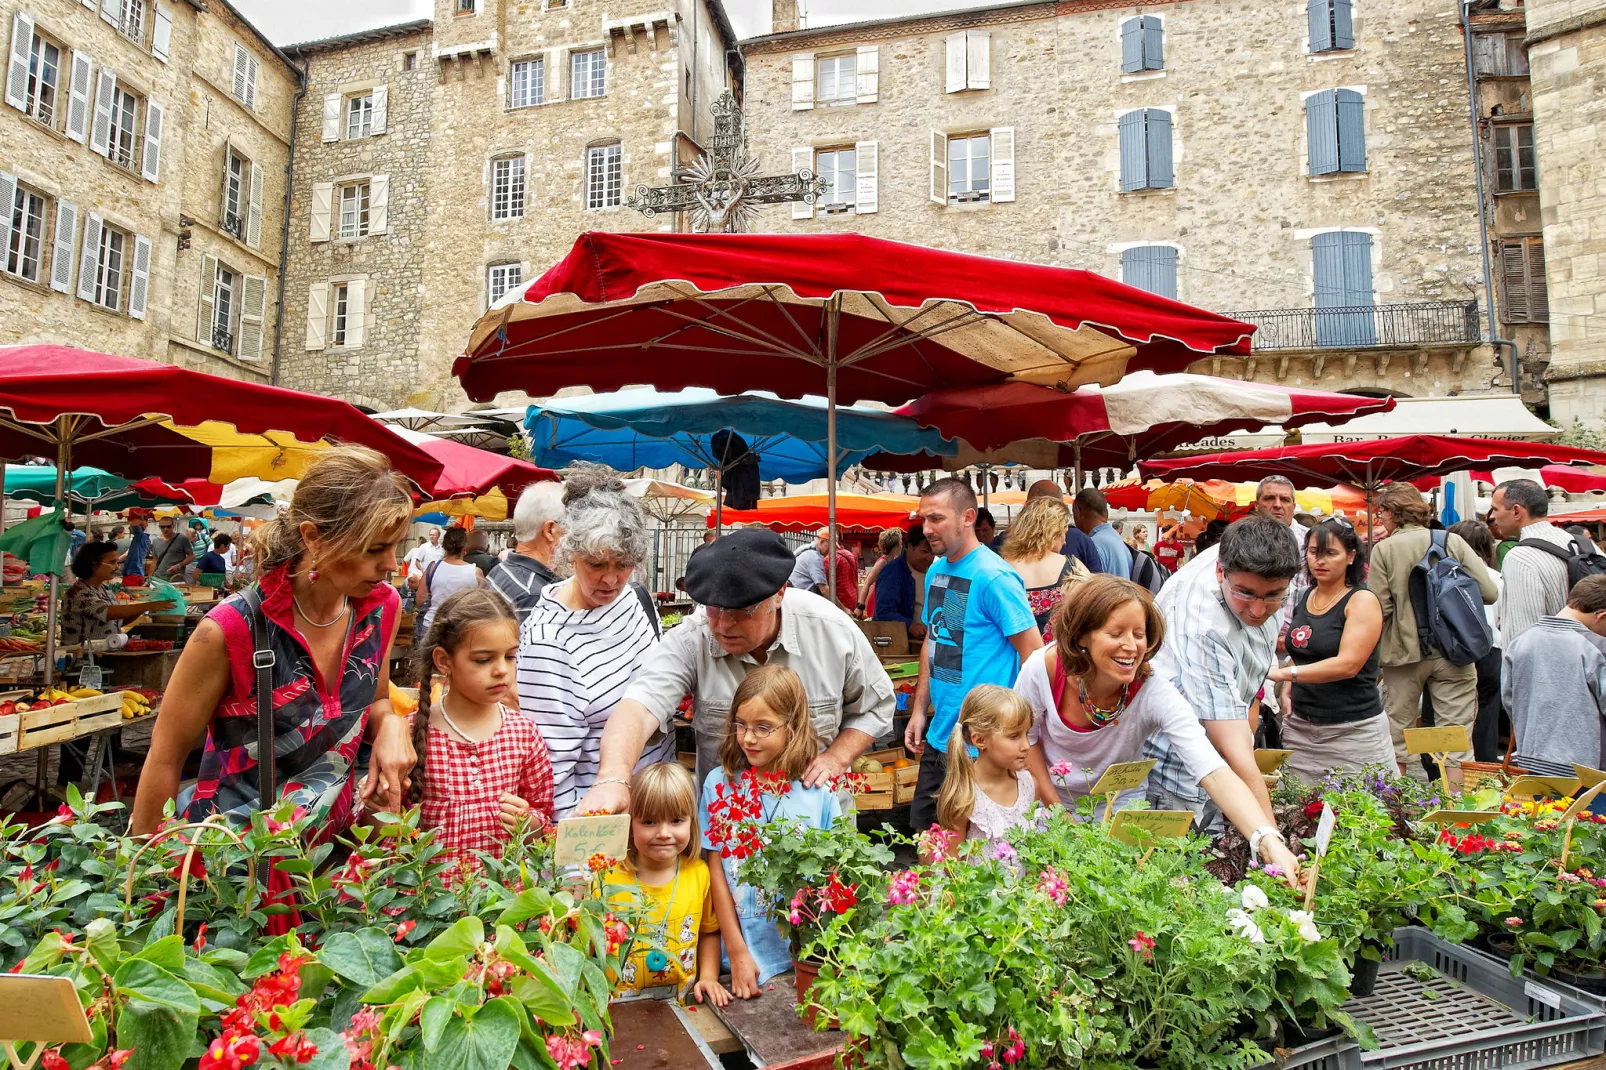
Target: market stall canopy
808 512
1496 417
1562 477
423 419
646 428
467 472
895 320
667 502
204 494
1371 463
1142 416
37 483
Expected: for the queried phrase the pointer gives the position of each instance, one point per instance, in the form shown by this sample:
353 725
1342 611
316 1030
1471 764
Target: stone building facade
1308 167
485 141
1566 42
118 122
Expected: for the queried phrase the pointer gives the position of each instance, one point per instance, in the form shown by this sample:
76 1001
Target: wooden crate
873 800
57 724
903 783
9 728
150 669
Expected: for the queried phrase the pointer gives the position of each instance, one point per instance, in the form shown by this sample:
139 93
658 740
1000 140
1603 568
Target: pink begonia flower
1062 768
905 888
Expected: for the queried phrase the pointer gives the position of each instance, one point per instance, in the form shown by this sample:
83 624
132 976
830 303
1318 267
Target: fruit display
146 646
13 645
136 704
50 696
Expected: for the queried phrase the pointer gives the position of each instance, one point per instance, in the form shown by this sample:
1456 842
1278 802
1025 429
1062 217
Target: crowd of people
549 688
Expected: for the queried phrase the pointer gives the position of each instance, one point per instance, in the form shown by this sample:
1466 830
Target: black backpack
1450 620
1583 560
1146 571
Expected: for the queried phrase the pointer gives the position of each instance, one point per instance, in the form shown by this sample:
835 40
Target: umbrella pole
2 512
1077 476
719 502
833 313
986 485
63 459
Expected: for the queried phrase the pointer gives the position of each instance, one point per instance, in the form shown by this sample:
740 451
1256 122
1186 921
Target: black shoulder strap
1548 547
262 660
652 611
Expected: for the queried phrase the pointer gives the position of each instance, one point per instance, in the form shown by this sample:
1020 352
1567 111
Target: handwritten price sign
1159 824
581 837
1123 776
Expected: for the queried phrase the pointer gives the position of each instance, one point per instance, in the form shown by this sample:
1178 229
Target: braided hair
454 622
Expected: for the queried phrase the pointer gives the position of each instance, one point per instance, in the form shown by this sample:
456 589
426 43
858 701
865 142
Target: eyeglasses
1270 601
715 612
760 730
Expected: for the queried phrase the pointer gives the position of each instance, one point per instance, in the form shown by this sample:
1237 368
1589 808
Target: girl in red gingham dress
482 765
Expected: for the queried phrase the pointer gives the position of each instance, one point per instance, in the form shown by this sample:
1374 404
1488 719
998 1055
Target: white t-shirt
423 555
1158 707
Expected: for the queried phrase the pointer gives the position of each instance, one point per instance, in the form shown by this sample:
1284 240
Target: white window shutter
978 59
250 81
253 211
139 285
61 258
8 197
100 134
206 301
111 11
17 71
1003 157
868 66
939 167
90 4
78 97
956 62
802 82
240 58
154 118
317 314
331 117
803 160
162 35
89 262
379 204
253 311
381 106
867 163
356 311
323 199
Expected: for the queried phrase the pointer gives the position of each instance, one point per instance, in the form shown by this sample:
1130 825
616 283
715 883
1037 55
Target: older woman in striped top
582 643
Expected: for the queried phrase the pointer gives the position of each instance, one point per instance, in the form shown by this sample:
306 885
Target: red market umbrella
810 512
468 472
863 318
1115 426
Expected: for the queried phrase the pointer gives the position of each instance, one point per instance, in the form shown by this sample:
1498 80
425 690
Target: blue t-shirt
1114 553
817 807
139 544
211 562
972 608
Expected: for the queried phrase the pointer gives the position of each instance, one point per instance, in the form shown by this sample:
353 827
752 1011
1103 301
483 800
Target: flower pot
1363 976
804 971
1297 1034
1589 980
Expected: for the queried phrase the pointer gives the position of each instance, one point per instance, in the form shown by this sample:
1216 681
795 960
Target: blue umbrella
646 428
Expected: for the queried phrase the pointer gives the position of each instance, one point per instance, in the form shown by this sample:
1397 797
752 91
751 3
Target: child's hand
711 992
513 810
744 975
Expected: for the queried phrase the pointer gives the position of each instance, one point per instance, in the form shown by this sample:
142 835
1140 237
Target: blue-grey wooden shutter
1343 27
1321 26
1132 46
1327 261
1153 43
1152 268
1321 130
1343 267
1351 130
1134 173
1159 139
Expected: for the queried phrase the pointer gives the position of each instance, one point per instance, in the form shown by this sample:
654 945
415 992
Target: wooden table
655 1034
769 1029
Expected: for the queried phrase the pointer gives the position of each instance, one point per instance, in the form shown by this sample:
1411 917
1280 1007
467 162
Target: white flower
1309 932
1300 917
1245 926
1254 897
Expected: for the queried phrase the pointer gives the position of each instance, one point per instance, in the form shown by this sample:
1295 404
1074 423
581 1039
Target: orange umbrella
808 512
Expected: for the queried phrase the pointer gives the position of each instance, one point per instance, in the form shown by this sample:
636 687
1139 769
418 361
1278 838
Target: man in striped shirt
1533 582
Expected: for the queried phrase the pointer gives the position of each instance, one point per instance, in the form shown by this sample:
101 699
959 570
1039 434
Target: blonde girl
482 765
983 797
769 732
677 938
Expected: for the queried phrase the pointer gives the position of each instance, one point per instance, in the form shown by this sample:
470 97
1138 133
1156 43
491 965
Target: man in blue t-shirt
979 629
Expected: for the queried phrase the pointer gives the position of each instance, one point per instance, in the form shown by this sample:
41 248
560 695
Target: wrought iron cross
726 188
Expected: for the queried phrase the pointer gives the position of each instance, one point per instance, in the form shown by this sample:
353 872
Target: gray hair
1528 494
539 503
1260 488
604 520
1260 546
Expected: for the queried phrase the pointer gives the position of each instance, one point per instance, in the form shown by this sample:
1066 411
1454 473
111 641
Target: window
125 115
604 176
838 79
44 79
1146 150
245 77
1142 45
1335 126
236 176
1331 26
526 82
588 74
507 188
1342 264
24 248
1522 279
463 7
340 308
969 61
354 210
556 5
360 115
1152 268
1514 158
409 61
969 168
108 277
502 278
1498 55
223 302
132 20
839 168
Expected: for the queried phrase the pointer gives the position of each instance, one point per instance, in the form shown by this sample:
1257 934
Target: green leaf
141 980
364 957
212 983
530 903
391 988
168 953
437 1013
486 1043
460 939
226 958
265 959
332 1054
543 997
160 1035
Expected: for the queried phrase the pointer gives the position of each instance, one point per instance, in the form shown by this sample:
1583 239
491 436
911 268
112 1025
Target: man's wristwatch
1260 834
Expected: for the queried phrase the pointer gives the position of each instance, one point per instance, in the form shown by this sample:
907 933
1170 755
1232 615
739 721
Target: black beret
738 569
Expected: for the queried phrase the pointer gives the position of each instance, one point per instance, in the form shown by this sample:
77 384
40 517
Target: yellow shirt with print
688 917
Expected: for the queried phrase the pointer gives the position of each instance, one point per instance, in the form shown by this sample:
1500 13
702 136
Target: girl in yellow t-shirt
677 938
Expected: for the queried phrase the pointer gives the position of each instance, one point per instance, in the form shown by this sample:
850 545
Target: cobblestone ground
18 771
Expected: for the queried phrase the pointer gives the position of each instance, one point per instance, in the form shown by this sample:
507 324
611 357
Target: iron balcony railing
1365 326
222 339
234 223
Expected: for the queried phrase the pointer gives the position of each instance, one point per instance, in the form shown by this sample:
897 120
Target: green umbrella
37 483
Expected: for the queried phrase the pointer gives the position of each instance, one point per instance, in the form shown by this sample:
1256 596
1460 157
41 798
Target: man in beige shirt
1408 670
